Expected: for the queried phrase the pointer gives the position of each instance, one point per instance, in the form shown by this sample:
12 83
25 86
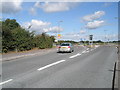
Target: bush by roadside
16 38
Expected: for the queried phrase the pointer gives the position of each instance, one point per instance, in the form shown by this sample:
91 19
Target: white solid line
74 55
6 81
50 65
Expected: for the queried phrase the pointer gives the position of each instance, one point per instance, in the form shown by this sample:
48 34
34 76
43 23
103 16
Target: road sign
59 35
90 37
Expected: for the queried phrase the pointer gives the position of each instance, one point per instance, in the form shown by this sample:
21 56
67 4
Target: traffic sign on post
59 35
91 37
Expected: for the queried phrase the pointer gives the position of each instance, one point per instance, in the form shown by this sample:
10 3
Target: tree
22 39
11 23
44 41
6 38
19 39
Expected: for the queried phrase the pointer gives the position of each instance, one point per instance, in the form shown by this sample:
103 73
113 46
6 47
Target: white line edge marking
49 65
6 81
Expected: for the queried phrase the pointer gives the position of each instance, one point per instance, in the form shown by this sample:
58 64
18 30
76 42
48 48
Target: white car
66 47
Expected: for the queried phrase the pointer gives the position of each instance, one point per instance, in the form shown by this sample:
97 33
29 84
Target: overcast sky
73 20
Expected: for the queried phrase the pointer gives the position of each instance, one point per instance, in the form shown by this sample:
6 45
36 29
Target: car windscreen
65 44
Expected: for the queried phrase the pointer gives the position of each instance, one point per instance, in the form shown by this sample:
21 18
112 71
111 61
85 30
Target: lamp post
105 37
59 26
58 29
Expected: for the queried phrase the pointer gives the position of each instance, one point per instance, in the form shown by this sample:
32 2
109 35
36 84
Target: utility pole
105 37
58 29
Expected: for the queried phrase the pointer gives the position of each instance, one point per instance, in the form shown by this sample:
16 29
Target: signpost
59 36
90 42
91 37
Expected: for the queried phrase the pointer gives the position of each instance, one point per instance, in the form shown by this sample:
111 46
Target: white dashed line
6 81
84 52
50 65
87 48
74 55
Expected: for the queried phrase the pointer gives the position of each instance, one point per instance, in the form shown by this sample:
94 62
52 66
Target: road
84 68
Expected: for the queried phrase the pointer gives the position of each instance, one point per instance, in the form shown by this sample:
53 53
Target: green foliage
15 38
11 23
22 39
62 41
6 37
44 41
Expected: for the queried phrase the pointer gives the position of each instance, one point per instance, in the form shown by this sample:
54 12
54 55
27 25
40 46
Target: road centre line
74 55
87 48
6 81
49 65
61 60
84 52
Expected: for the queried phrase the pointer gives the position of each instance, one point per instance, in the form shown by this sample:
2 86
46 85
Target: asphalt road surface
83 68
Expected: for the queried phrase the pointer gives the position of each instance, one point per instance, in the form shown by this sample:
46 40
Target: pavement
83 68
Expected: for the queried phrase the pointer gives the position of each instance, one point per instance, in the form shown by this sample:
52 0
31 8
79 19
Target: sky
73 20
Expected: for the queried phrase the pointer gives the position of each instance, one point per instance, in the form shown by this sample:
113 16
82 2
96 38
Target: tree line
17 38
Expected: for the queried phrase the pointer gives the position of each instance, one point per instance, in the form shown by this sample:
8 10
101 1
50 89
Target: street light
58 27
29 26
105 36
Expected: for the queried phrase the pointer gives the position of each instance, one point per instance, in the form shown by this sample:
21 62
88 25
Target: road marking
87 48
50 65
6 81
74 55
84 52
91 50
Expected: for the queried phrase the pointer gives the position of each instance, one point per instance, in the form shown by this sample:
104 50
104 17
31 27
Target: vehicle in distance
66 47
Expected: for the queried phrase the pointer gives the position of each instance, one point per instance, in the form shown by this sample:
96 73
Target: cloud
33 11
73 36
107 37
41 26
82 31
112 37
54 29
36 25
10 7
106 4
95 24
54 6
37 4
94 16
